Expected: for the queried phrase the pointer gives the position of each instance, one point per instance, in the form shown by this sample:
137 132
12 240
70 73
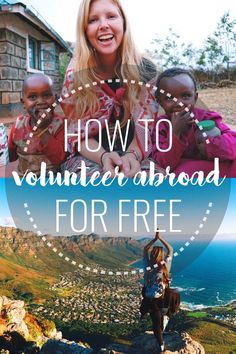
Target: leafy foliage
216 55
63 63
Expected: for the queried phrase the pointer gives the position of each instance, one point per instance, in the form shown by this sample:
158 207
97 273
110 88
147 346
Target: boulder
64 347
13 312
175 343
15 343
115 348
3 301
18 326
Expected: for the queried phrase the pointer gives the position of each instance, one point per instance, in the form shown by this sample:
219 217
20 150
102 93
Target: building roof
11 2
35 18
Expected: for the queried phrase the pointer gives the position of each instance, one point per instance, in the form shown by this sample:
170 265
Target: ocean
210 280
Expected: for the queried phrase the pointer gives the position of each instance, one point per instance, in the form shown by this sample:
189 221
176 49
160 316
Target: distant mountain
28 249
144 240
26 262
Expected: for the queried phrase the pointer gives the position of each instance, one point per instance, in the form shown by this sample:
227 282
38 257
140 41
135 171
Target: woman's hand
109 161
130 164
157 235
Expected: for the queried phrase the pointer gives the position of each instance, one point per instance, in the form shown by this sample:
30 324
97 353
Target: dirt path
223 101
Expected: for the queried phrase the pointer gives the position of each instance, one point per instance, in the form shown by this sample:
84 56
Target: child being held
189 151
47 141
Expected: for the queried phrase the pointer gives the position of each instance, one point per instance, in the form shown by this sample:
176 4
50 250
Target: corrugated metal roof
33 12
11 2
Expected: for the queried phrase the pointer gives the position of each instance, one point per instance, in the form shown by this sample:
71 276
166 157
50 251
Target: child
187 153
47 142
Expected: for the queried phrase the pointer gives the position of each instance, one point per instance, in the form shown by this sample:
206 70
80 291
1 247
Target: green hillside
22 282
216 336
28 266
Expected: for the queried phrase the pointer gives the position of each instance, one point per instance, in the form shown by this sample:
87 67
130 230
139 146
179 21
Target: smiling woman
105 30
106 54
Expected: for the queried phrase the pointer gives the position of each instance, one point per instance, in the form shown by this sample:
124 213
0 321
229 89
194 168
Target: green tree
170 51
63 63
226 33
213 54
220 47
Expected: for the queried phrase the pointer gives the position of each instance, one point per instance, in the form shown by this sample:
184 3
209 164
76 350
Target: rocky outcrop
20 332
65 347
13 314
175 343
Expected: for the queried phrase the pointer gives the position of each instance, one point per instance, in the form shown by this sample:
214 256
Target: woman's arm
133 147
94 156
149 245
131 159
167 245
108 160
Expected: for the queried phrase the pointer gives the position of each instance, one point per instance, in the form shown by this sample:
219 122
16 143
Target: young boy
47 141
186 153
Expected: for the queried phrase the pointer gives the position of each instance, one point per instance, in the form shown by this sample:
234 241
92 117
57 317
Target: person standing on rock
157 265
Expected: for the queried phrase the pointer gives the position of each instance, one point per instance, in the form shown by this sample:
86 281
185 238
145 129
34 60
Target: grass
23 283
198 314
217 337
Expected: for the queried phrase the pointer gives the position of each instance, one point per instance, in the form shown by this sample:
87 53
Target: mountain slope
28 249
28 266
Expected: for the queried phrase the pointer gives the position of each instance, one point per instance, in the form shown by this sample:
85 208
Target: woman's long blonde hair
129 65
157 256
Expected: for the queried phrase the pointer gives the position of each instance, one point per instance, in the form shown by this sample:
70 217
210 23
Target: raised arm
149 245
167 245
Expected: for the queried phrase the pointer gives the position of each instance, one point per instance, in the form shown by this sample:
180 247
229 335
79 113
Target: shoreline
130 264
186 307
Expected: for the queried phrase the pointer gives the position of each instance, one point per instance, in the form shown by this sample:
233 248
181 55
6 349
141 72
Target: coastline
188 307
130 264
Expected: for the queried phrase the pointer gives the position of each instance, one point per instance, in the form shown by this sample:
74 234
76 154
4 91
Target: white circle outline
67 95
95 83
117 273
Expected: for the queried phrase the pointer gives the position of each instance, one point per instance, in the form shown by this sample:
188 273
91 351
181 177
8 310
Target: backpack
171 301
154 286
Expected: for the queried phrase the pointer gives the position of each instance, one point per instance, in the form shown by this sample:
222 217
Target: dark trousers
154 307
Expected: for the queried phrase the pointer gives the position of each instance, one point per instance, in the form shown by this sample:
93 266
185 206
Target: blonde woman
156 280
105 50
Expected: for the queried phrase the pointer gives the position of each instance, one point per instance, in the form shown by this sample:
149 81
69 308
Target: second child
47 141
188 153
